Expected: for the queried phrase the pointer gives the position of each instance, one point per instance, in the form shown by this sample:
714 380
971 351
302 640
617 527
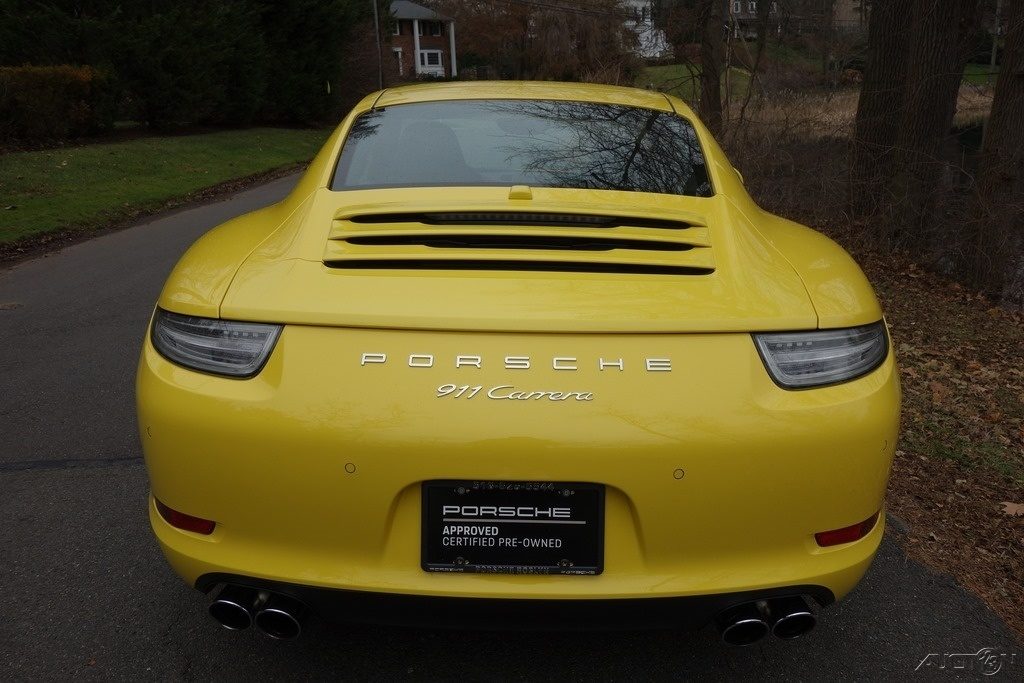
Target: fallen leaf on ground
1013 509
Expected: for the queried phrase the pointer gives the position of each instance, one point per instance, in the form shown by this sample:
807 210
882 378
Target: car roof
527 90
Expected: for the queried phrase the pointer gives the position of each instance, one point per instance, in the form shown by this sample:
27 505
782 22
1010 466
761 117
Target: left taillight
180 520
221 347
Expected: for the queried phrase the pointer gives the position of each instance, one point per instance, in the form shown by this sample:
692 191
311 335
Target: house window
397 28
431 27
397 52
736 7
752 6
430 58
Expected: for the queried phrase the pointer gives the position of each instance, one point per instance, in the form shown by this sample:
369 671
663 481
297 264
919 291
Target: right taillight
801 360
848 534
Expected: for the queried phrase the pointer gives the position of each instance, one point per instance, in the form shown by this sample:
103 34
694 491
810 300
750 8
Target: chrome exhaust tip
233 607
742 625
281 617
791 617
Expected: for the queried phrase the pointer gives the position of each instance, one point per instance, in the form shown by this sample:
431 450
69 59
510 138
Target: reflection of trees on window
533 142
365 125
608 147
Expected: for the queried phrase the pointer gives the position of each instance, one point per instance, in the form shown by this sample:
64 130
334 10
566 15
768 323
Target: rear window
539 143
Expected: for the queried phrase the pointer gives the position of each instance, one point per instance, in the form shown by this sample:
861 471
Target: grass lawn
980 74
93 185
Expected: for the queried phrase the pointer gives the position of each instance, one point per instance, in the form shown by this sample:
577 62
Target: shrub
180 63
53 102
310 45
192 63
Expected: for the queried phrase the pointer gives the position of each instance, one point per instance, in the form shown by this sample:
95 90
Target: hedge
53 102
185 63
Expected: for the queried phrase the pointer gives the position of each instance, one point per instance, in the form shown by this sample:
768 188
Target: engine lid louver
519 241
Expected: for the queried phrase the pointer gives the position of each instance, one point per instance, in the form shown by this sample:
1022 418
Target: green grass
790 55
980 74
94 185
944 442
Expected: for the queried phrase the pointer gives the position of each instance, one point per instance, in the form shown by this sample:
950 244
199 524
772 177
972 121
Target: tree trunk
938 55
828 9
998 251
881 104
710 108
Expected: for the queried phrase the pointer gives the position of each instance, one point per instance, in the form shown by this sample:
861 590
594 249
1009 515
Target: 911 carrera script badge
508 392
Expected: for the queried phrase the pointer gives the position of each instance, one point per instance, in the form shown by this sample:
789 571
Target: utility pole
380 58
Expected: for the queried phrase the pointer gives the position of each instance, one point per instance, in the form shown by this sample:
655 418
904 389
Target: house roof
403 9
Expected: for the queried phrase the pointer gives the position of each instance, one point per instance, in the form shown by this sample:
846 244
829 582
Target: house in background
651 41
423 43
848 17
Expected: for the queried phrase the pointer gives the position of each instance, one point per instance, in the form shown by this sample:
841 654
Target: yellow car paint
717 479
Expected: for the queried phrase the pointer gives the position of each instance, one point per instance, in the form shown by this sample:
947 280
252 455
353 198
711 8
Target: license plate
513 527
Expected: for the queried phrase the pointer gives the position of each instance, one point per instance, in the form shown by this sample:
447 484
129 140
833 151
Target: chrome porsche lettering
421 360
517 362
562 363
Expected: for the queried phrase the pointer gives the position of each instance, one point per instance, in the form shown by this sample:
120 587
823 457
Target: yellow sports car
519 354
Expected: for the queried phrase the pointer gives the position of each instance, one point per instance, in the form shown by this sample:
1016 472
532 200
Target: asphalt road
84 591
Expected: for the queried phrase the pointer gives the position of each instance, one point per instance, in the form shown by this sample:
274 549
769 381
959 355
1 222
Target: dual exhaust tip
278 616
786 618
281 617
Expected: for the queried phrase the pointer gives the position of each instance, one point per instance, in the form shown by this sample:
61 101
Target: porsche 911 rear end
518 355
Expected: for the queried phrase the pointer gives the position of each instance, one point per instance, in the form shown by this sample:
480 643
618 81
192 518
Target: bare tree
998 251
917 53
569 40
709 13
938 54
828 14
881 105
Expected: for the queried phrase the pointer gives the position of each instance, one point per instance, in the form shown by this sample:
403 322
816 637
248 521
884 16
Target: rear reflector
187 522
847 534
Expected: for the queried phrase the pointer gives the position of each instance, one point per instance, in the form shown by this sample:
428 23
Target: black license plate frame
519 527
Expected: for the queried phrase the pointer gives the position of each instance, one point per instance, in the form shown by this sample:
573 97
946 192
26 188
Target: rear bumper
716 479
407 595
422 611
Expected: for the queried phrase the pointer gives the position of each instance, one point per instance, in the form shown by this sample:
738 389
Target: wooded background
869 142
876 137
904 182
178 63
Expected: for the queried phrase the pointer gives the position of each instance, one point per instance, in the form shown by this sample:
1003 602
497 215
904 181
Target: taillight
847 534
180 520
